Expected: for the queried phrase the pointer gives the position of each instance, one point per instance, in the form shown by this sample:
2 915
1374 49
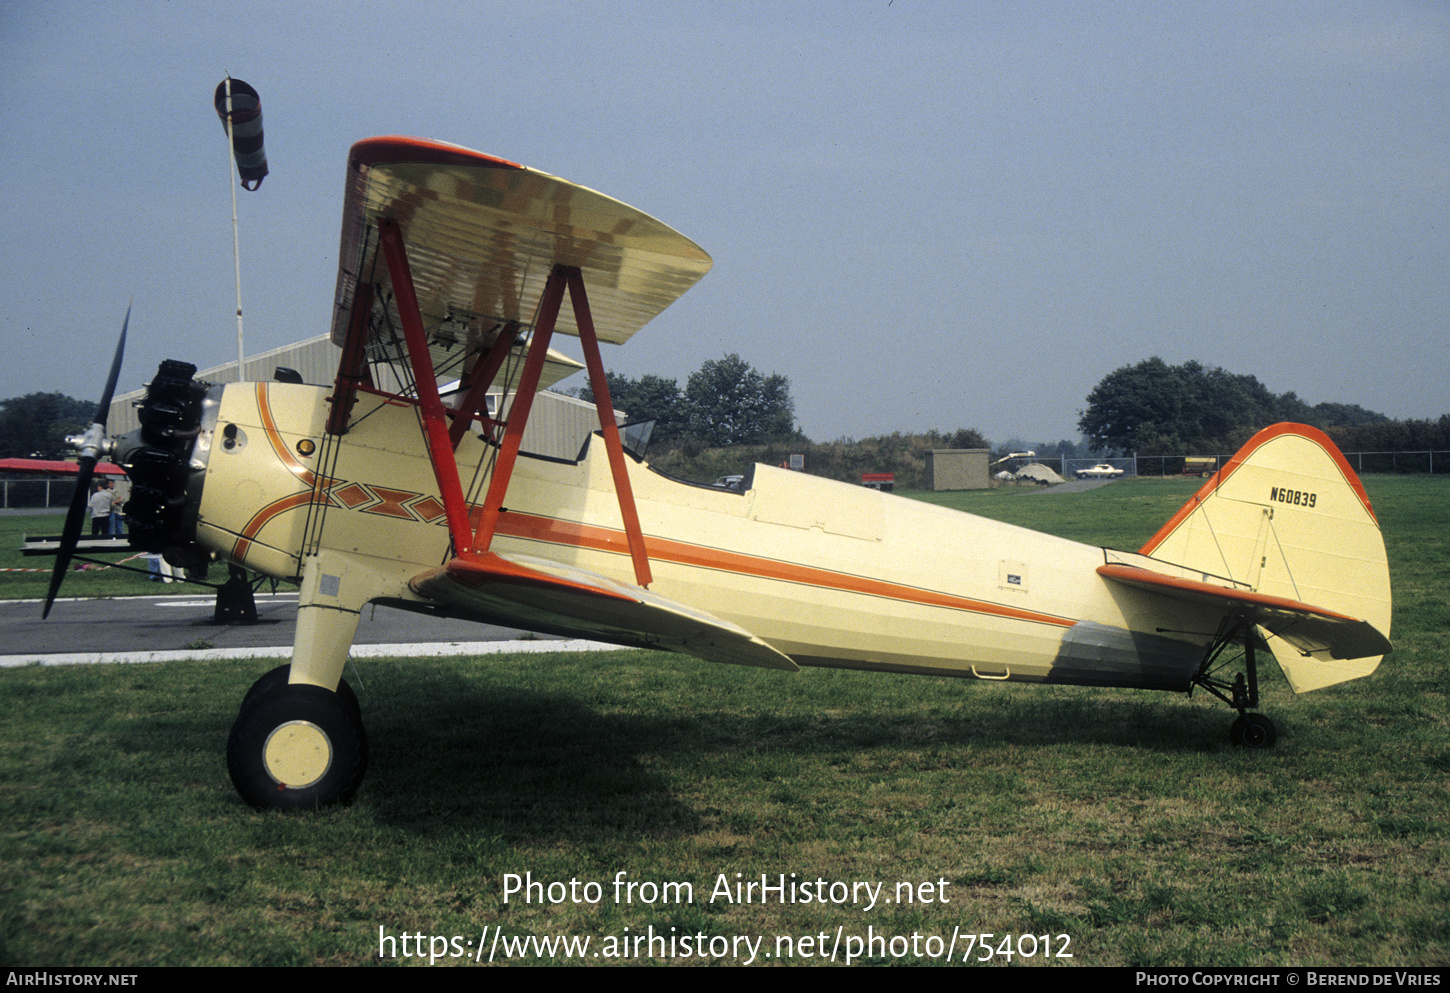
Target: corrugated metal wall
315 359
558 425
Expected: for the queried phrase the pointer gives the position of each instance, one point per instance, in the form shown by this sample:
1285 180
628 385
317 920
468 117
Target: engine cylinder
158 459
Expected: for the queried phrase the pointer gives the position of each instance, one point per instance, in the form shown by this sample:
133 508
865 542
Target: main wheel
297 748
277 679
1253 731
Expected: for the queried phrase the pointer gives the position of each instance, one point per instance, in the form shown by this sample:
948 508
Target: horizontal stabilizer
1314 631
540 594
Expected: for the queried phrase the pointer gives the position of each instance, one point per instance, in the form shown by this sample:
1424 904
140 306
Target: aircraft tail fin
1287 517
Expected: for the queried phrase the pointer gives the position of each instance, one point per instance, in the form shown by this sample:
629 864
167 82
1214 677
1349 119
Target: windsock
246 115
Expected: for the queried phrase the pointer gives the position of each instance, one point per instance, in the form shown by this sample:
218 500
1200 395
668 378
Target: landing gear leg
299 741
1250 730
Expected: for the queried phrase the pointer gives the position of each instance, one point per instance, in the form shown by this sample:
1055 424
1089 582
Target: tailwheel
1253 731
297 747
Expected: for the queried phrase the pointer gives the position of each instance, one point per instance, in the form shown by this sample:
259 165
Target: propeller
92 444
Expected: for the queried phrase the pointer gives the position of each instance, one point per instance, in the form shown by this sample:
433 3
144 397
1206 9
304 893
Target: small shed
958 468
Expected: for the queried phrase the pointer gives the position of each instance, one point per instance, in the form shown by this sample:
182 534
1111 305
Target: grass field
1121 820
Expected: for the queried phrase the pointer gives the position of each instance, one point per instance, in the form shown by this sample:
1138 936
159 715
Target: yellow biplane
380 488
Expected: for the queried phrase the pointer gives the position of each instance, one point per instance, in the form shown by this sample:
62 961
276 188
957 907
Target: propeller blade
92 443
74 518
103 411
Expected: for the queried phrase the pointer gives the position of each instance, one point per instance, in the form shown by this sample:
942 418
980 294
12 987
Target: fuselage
825 572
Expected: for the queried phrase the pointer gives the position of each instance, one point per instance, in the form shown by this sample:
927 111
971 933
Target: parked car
1100 471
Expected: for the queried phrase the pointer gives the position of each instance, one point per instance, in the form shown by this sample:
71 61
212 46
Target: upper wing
549 596
483 234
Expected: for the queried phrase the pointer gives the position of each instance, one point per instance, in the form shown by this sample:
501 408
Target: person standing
119 492
100 504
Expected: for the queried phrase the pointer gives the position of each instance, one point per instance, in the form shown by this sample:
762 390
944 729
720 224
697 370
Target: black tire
1253 731
277 679
301 733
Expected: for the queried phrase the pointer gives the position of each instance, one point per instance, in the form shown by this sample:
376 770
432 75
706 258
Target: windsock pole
232 180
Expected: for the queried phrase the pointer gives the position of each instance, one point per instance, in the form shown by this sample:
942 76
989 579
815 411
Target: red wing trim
387 149
1257 441
553 531
1135 576
474 570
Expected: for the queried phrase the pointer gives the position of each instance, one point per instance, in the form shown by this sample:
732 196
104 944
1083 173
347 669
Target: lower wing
543 595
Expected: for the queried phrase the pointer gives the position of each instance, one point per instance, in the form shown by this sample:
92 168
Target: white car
1100 471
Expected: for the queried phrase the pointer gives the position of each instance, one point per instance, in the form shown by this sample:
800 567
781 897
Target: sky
925 214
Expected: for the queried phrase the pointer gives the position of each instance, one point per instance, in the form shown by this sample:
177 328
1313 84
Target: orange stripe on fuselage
572 533
558 532
274 438
264 516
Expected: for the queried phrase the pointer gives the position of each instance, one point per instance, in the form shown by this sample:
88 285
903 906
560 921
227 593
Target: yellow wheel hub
297 754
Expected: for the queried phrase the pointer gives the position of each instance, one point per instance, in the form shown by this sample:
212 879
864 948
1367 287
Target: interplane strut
472 529
435 424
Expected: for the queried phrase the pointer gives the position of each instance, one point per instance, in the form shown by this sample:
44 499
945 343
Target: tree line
35 426
725 402
1153 408
1150 408
729 415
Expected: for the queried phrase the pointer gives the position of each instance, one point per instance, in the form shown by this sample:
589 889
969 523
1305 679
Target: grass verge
1122 820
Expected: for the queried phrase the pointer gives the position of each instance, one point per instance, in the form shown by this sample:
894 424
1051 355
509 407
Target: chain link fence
1435 461
35 492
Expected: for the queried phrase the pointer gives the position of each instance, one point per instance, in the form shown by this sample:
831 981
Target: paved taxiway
181 626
